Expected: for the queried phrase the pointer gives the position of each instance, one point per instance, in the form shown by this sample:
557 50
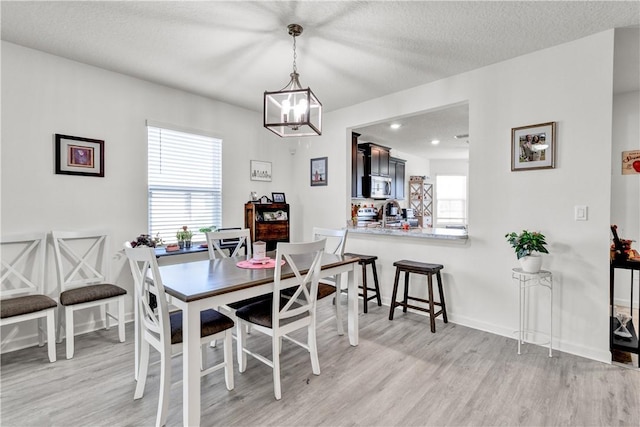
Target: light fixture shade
293 111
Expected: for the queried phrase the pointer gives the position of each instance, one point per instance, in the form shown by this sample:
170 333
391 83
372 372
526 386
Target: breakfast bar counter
416 233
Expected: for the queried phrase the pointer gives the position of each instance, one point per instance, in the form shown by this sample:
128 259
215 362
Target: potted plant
184 237
528 246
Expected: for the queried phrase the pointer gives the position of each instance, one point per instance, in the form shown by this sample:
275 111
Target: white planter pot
531 263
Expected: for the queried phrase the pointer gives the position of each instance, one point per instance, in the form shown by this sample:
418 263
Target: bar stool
419 268
365 260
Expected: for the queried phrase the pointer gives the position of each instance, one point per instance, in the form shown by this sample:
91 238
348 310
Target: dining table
200 285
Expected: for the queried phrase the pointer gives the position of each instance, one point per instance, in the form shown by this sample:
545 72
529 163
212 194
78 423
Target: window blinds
184 181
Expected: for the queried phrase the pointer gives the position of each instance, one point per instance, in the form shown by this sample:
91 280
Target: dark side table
631 345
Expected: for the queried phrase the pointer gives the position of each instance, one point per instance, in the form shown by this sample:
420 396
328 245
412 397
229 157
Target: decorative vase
531 263
187 244
181 244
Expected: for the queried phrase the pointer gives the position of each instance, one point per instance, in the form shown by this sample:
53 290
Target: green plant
184 234
527 242
207 229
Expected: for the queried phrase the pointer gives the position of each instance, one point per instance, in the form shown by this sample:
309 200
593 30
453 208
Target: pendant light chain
295 55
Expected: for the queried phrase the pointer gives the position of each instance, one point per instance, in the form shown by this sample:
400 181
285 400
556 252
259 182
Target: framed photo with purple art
79 156
319 175
533 147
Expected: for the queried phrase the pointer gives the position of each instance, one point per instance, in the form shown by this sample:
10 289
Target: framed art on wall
79 156
260 171
533 147
319 175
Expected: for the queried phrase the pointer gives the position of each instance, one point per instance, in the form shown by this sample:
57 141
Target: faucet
384 210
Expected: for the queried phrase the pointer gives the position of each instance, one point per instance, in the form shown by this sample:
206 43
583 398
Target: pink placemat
248 264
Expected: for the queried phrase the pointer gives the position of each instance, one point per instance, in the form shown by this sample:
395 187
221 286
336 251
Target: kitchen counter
418 233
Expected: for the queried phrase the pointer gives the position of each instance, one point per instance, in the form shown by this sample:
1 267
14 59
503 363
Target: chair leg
365 301
143 367
51 336
275 350
432 317
203 357
165 386
337 305
121 335
40 322
313 349
228 360
241 337
68 331
392 306
406 291
104 313
375 282
444 306
61 310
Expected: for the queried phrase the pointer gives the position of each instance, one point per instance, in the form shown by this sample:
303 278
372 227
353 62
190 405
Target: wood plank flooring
400 375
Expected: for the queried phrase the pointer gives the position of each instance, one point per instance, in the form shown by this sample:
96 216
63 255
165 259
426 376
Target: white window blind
185 182
451 200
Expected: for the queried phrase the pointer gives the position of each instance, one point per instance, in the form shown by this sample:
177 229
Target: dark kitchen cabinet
396 172
357 167
376 159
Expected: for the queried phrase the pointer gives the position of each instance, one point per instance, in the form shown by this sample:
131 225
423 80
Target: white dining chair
21 286
278 316
335 243
83 267
235 239
163 330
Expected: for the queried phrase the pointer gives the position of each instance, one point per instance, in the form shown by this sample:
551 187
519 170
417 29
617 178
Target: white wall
43 95
625 189
559 84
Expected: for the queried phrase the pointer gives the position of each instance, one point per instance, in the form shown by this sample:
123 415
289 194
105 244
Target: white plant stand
525 281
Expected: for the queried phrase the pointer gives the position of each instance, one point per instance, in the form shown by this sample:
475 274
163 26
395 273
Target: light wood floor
400 375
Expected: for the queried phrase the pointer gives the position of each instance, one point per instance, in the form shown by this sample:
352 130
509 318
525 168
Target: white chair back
303 300
23 262
335 239
153 310
82 258
236 238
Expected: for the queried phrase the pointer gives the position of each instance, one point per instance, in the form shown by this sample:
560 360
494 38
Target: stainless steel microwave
380 187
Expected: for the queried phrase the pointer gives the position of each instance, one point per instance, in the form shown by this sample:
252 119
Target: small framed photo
533 147
278 198
319 175
79 156
260 171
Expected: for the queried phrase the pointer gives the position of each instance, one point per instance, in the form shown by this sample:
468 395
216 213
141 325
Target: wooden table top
204 279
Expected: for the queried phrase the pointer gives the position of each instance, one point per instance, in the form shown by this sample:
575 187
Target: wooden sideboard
268 222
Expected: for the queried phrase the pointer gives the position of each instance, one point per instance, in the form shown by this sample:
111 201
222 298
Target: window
451 200
185 181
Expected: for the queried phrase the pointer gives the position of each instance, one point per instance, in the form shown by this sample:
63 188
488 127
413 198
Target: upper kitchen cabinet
376 159
357 167
396 171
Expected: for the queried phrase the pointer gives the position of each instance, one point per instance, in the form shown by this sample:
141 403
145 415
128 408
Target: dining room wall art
79 156
533 147
631 162
260 170
319 172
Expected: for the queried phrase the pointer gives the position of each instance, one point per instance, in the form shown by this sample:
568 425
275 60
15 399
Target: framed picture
278 198
319 174
260 171
533 147
631 162
79 156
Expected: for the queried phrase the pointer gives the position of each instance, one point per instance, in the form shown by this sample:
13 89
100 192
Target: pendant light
293 111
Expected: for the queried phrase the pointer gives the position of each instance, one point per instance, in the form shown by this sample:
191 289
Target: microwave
380 187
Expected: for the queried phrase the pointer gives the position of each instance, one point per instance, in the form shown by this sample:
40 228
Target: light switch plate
580 213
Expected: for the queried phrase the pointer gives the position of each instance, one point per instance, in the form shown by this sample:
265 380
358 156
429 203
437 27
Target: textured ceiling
349 52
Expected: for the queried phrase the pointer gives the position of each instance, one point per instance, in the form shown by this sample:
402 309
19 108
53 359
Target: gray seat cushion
24 305
90 293
211 322
259 313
